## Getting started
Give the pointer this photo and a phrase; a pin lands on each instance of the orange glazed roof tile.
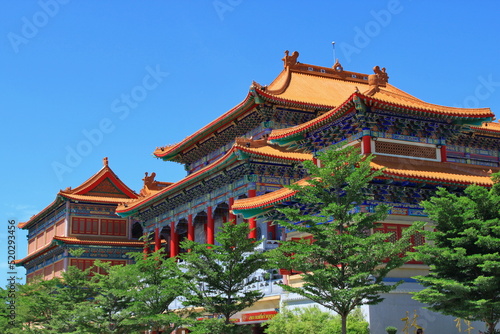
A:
(419, 171)
(263, 149)
(97, 199)
(436, 172)
(103, 187)
(382, 98)
(219, 122)
(266, 200)
(99, 242)
(413, 103)
(35, 254)
(80, 241)
(488, 127)
(113, 187)
(321, 88)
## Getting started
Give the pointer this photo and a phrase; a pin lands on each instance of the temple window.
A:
(84, 225)
(116, 227)
(396, 231)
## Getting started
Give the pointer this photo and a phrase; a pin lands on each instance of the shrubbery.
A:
(313, 320)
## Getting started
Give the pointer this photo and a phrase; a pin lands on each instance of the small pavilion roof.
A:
(103, 187)
(419, 171)
(242, 149)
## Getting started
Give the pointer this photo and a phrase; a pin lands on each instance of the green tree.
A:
(344, 266)
(218, 275)
(463, 254)
(35, 306)
(74, 289)
(106, 311)
(311, 320)
(156, 283)
(48, 306)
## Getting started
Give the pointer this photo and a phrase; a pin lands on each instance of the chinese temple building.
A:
(237, 167)
(239, 164)
(81, 218)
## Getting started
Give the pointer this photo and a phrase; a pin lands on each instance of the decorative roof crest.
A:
(380, 78)
(337, 67)
(149, 181)
(290, 61)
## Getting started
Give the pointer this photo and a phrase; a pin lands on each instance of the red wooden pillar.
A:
(443, 153)
(210, 226)
(145, 250)
(252, 223)
(157, 239)
(174, 241)
(190, 235)
(366, 142)
(232, 217)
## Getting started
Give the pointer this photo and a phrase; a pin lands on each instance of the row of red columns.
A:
(210, 229)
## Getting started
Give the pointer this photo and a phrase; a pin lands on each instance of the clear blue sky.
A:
(67, 68)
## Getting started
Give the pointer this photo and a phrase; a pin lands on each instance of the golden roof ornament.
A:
(337, 67)
(289, 61)
(376, 80)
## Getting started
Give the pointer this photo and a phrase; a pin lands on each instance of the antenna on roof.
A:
(334, 54)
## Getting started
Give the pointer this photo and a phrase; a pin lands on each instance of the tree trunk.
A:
(344, 323)
(491, 327)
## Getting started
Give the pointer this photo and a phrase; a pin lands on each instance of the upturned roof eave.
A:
(55, 203)
(282, 139)
(257, 96)
(126, 211)
(171, 153)
(97, 178)
(230, 157)
(259, 208)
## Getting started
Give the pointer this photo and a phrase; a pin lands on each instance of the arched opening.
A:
(137, 231)
(221, 214)
(181, 228)
(200, 227)
(165, 240)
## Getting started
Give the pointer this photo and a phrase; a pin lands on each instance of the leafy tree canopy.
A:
(463, 254)
(218, 275)
(345, 264)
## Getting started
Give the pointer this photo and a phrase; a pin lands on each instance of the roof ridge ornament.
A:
(250, 142)
(380, 78)
(337, 66)
(105, 161)
(290, 61)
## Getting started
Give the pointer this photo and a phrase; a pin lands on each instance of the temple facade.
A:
(239, 164)
(238, 167)
(82, 218)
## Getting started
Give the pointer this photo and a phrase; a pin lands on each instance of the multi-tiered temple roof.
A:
(103, 188)
(327, 95)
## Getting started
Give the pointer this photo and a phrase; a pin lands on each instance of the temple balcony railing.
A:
(268, 245)
(265, 281)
